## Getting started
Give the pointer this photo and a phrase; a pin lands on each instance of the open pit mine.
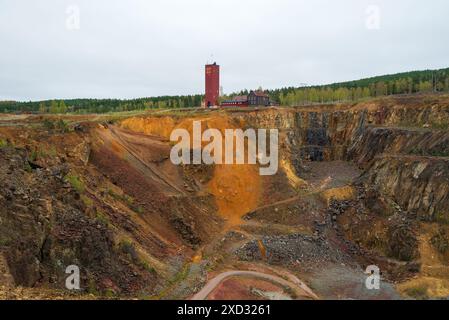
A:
(358, 185)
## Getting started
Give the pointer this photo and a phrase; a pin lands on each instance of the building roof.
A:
(240, 98)
(259, 93)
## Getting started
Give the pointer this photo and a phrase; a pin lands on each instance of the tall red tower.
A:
(212, 85)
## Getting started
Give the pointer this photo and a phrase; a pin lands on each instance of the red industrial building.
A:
(238, 101)
(212, 98)
(212, 85)
(255, 98)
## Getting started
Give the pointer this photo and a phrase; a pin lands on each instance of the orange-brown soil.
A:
(236, 188)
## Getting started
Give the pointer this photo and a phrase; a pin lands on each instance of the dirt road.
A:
(300, 288)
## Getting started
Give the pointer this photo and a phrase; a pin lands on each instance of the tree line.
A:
(401, 83)
(84, 106)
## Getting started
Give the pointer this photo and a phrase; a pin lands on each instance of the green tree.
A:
(425, 86)
(62, 107)
(366, 93)
(380, 89)
(54, 107)
(42, 108)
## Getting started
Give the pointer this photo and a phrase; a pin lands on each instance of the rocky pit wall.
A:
(402, 143)
(236, 189)
(401, 207)
(50, 218)
(403, 148)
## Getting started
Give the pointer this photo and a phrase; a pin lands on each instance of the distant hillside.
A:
(100, 105)
(400, 83)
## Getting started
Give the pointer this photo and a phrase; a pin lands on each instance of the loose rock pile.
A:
(292, 250)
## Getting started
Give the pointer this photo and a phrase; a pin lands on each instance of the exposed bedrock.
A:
(401, 143)
(382, 140)
(419, 185)
(362, 131)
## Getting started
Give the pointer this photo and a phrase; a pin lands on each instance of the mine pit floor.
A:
(336, 276)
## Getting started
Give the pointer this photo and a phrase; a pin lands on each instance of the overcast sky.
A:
(140, 48)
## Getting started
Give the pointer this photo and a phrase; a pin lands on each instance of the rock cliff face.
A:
(374, 141)
(401, 142)
(44, 229)
(334, 131)
(420, 185)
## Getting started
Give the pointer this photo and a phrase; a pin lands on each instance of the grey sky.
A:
(140, 48)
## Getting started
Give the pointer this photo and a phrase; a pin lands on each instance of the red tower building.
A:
(212, 85)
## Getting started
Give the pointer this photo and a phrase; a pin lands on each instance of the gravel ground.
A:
(340, 282)
(296, 250)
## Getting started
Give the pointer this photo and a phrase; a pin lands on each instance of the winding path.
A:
(299, 287)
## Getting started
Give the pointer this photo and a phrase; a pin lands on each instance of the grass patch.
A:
(137, 209)
(123, 197)
(110, 294)
(76, 183)
(92, 288)
(60, 125)
(3, 143)
(440, 126)
(442, 218)
(52, 152)
(128, 200)
(418, 293)
(27, 167)
(4, 242)
(181, 275)
(128, 248)
(440, 241)
(149, 268)
(429, 153)
(42, 153)
(102, 218)
(87, 201)
(33, 156)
